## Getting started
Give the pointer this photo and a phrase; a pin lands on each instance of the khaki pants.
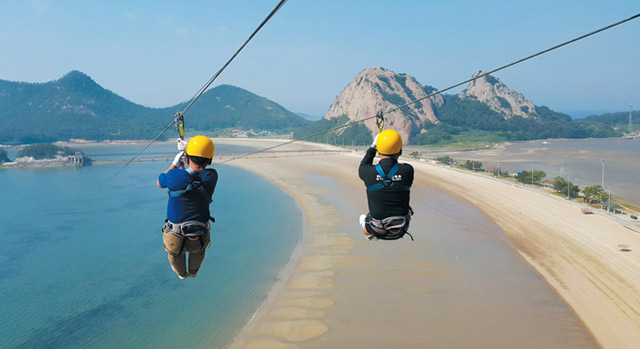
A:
(173, 244)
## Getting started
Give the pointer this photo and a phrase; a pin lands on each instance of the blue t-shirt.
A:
(192, 205)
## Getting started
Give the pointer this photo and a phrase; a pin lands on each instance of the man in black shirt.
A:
(388, 188)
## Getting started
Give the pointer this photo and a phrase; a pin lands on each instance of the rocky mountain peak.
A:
(500, 98)
(376, 89)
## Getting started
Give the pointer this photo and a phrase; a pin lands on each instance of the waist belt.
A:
(390, 223)
(390, 228)
(188, 228)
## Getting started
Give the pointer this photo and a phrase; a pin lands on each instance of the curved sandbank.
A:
(341, 290)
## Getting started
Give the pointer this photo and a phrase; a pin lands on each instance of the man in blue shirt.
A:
(187, 224)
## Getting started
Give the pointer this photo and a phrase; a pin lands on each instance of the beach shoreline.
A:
(577, 268)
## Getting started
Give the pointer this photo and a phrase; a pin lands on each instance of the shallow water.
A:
(462, 284)
(578, 160)
(82, 263)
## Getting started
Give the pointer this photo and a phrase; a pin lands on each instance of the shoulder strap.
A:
(195, 184)
(387, 179)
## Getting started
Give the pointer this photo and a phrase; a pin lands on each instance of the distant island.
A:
(45, 155)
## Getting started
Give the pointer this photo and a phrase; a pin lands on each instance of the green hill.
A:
(619, 120)
(76, 107)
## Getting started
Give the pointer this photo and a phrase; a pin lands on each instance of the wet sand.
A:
(557, 280)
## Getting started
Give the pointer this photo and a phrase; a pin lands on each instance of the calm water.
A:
(578, 160)
(82, 263)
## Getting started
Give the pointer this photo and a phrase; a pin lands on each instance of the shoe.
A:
(362, 219)
(180, 276)
(192, 275)
(370, 237)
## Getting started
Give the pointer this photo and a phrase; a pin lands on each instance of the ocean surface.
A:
(82, 263)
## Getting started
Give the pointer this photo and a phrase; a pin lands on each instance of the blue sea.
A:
(82, 263)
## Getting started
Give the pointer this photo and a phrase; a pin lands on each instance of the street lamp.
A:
(630, 126)
(602, 185)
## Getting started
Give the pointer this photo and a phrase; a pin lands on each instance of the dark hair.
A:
(200, 161)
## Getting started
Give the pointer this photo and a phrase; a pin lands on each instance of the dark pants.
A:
(177, 246)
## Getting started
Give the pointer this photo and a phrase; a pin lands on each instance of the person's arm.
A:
(177, 162)
(367, 161)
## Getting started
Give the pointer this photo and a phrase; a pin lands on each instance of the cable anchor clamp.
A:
(179, 121)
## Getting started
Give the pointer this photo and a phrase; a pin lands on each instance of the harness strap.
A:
(188, 228)
(387, 179)
(195, 184)
(390, 228)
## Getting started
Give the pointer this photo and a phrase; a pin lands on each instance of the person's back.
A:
(388, 189)
(192, 205)
(386, 201)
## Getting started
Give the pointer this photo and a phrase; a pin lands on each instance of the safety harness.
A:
(387, 179)
(390, 228)
(195, 184)
(193, 230)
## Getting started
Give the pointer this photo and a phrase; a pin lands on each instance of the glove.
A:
(375, 141)
(179, 160)
(182, 145)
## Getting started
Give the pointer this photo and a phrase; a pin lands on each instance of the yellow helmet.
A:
(389, 142)
(201, 146)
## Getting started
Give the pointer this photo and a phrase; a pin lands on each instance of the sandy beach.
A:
(557, 278)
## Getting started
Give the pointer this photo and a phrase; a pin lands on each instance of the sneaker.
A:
(362, 219)
(180, 276)
(370, 237)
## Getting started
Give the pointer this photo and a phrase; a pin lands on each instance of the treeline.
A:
(458, 117)
(591, 194)
(46, 151)
(618, 120)
(3, 156)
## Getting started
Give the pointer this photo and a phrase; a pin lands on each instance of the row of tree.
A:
(594, 193)
(3, 156)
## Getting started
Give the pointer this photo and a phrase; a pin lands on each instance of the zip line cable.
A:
(444, 90)
(204, 88)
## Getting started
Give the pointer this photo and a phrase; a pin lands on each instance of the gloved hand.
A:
(179, 160)
(182, 145)
(375, 141)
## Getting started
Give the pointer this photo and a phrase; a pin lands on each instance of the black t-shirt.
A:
(386, 202)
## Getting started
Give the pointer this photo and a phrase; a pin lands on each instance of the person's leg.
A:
(177, 258)
(362, 222)
(197, 249)
(195, 260)
(179, 264)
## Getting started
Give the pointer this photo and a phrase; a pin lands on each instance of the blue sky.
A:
(159, 53)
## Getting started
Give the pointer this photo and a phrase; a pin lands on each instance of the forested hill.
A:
(619, 120)
(76, 107)
(487, 112)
